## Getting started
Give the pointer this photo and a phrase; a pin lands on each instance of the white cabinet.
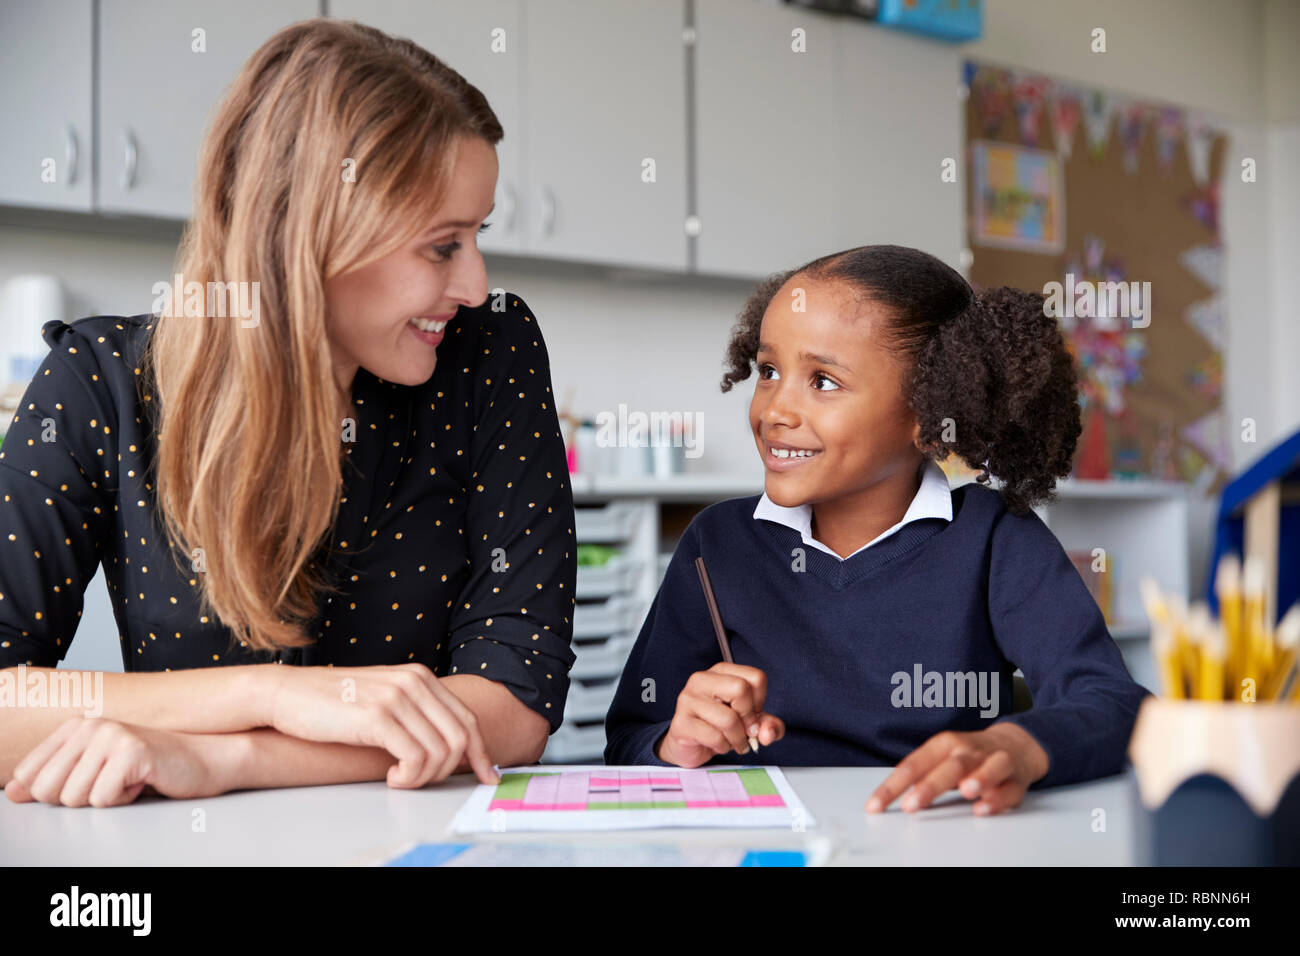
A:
(802, 154)
(592, 96)
(156, 90)
(605, 97)
(765, 136)
(891, 139)
(811, 133)
(483, 42)
(46, 55)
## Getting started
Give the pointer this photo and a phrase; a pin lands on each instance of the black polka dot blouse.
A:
(453, 546)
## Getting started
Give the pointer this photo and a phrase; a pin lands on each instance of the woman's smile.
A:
(429, 331)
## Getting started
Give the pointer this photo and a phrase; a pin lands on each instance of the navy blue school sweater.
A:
(869, 657)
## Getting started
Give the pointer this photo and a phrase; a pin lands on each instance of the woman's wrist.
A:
(265, 758)
(228, 759)
(259, 688)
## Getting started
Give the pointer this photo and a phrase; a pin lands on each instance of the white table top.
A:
(369, 823)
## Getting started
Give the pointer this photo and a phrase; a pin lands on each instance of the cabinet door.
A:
(483, 42)
(156, 92)
(891, 139)
(765, 135)
(604, 98)
(46, 54)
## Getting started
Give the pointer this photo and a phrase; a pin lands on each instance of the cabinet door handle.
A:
(507, 206)
(70, 151)
(132, 157)
(546, 221)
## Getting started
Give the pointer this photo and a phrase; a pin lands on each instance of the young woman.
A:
(875, 617)
(363, 476)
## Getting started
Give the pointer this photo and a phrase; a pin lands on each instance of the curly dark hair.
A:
(993, 362)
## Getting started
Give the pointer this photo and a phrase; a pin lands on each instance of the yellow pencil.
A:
(1166, 655)
(1185, 648)
(1164, 648)
(1152, 601)
(1255, 638)
(1227, 588)
(1212, 650)
(1158, 615)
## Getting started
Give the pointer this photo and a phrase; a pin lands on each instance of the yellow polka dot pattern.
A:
(453, 544)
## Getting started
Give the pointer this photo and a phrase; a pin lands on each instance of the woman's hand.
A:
(995, 765)
(92, 761)
(718, 710)
(403, 709)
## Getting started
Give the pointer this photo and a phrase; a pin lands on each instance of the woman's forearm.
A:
(265, 758)
(515, 735)
(236, 701)
(201, 700)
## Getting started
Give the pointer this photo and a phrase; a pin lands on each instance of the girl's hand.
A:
(92, 761)
(718, 710)
(403, 709)
(995, 765)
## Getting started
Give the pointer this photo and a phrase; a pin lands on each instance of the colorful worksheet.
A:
(632, 798)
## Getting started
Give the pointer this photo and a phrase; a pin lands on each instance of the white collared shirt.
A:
(932, 500)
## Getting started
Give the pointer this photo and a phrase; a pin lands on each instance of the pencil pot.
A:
(1218, 783)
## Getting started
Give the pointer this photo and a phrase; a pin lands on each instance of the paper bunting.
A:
(1209, 436)
(1205, 378)
(992, 91)
(1002, 94)
(1132, 117)
(1206, 263)
(1097, 108)
(1065, 110)
(1030, 96)
(1207, 317)
(1168, 128)
(1199, 138)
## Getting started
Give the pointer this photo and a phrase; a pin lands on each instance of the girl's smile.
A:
(782, 457)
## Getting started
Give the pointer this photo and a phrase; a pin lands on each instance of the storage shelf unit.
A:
(1142, 525)
(612, 603)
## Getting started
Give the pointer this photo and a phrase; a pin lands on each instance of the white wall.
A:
(1202, 53)
(1281, 65)
(1282, 109)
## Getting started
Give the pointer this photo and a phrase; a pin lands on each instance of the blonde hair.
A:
(250, 452)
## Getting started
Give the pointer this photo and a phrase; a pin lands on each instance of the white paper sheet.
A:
(578, 798)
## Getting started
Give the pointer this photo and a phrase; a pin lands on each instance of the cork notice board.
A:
(1086, 187)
